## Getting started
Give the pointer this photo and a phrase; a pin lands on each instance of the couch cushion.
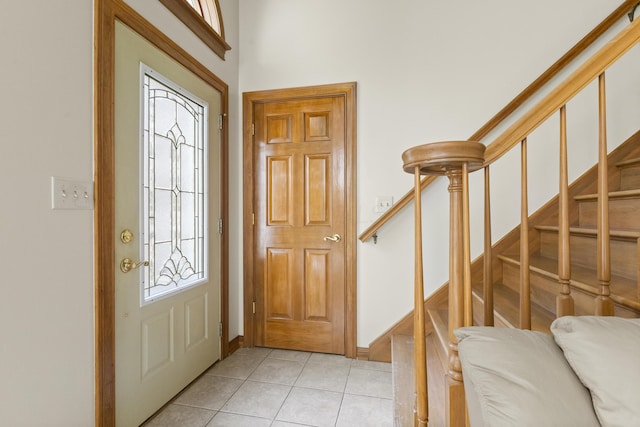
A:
(520, 378)
(605, 353)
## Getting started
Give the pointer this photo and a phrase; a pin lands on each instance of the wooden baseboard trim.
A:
(362, 353)
(235, 344)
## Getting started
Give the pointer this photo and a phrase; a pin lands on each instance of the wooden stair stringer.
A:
(404, 381)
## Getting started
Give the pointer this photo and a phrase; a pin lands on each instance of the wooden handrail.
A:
(518, 101)
(562, 94)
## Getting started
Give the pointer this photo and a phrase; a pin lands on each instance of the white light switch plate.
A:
(383, 204)
(71, 194)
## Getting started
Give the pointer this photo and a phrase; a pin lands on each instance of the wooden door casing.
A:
(310, 309)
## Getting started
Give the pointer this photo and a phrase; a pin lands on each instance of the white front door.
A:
(167, 176)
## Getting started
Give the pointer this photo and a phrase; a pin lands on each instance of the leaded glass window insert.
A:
(174, 205)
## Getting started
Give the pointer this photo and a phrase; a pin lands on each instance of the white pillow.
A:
(516, 377)
(605, 353)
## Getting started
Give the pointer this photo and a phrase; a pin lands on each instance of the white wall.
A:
(426, 71)
(46, 309)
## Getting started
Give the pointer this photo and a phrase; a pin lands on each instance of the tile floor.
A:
(280, 388)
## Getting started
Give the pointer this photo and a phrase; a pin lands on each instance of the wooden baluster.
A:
(604, 304)
(564, 300)
(455, 390)
(420, 354)
(525, 297)
(466, 246)
(487, 289)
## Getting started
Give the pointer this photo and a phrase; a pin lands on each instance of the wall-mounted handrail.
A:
(518, 101)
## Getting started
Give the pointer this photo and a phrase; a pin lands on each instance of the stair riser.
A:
(630, 178)
(478, 314)
(624, 253)
(544, 290)
(623, 213)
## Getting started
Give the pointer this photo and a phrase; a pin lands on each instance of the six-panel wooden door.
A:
(299, 224)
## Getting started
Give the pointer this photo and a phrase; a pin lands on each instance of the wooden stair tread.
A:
(624, 194)
(588, 231)
(506, 304)
(629, 163)
(623, 290)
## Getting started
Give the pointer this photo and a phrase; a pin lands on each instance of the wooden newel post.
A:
(453, 159)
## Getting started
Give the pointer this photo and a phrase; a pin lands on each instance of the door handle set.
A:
(127, 264)
(335, 238)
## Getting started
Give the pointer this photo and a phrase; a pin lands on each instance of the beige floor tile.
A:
(277, 371)
(183, 416)
(324, 376)
(296, 356)
(367, 382)
(236, 366)
(209, 392)
(376, 366)
(330, 359)
(233, 420)
(365, 411)
(282, 388)
(257, 399)
(253, 351)
(311, 407)
(286, 424)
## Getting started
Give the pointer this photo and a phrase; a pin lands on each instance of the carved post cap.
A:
(440, 158)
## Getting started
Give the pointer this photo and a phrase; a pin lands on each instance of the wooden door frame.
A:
(347, 91)
(106, 13)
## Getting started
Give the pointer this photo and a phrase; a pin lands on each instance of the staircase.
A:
(624, 219)
(578, 254)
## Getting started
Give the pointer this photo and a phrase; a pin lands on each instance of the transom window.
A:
(204, 18)
(209, 11)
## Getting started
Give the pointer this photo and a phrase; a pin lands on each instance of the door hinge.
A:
(220, 329)
(253, 218)
(254, 307)
(253, 129)
(219, 121)
(219, 225)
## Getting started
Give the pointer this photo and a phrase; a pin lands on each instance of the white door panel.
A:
(163, 343)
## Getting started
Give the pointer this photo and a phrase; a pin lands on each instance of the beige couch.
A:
(586, 373)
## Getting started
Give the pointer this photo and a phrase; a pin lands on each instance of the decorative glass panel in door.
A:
(174, 206)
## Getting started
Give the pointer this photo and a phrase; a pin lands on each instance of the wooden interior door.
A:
(299, 225)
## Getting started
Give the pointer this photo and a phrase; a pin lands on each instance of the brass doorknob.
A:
(335, 238)
(127, 264)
